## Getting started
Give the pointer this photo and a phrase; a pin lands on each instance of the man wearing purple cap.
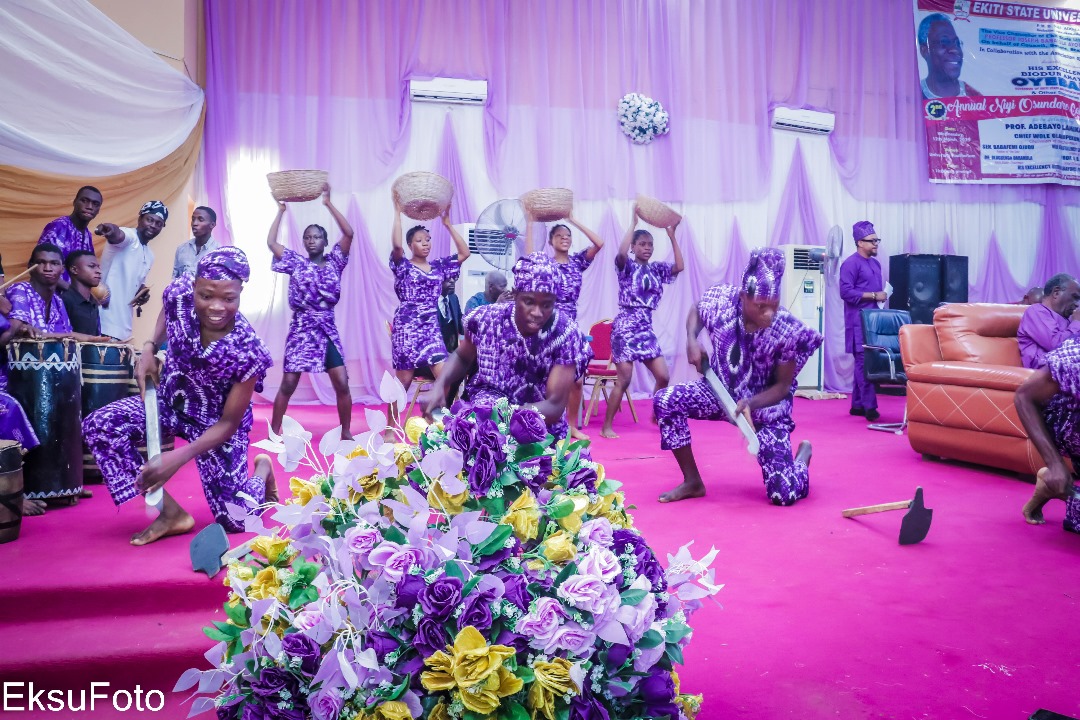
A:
(525, 351)
(861, 287)
(758, 349)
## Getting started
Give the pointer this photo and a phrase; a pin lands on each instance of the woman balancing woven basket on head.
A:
(641, 285)
(569, 268)
(313, 343)
(416, 339)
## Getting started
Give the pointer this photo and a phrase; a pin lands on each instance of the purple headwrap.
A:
(763, 273)
(226, 263)
(155, 207)
(861, 229)
(535, 273)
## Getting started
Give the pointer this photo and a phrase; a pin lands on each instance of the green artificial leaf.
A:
(417, 476)
(394, 535)
(675, 632)
(526, 674)
(674, 653)
(508, 477)
(608, 486)
(622, 684)
(560, 509)
(567, 571)
(216, 635)
(562, 713)
(494, 542)
(577, 446)
(513, 711)
(454, 570)
(240, 614)
(306, 571)
(495, 506)
(470, 715)
(470, 585)
(399, 689)
(650, 640)
(526, 452)
(633, 597)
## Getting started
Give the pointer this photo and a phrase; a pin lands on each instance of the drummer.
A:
(758, 349)
(214, 362)
(36, 308)
(14, 425)
(82, 307)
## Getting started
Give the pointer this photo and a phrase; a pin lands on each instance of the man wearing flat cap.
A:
(861, 287)
(125, 263)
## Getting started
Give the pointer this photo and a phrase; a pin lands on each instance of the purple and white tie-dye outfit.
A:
(746, 363)
(14, 425)
(314, 291)
(1063, 415)
(63, 233)
(30, 308)
(416, 340)
(195, 383)
(516, 366)
(568, 278)
(641, 285)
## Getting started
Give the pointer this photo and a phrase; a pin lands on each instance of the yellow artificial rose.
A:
(393, 710)
(552, 682)
(357, 452)
(524, 516)
(270, 547)
(403, 456)
(450, 504)
(439, 712)
(606, 506)
(572, 522)
(372, 487)
(441, 674)
(472, 661)
(486, 697)
(265, 585)
(240, 572)
(535, 565)
(414, 428)
(303, 491)
(559, 548)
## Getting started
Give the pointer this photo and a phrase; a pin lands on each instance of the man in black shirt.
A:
(82, 307)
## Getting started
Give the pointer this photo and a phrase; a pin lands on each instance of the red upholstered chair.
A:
(601, 371)
(423, 379)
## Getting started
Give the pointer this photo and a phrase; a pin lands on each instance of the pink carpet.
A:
(821, 617)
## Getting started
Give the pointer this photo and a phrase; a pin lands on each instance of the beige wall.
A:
(171, 28)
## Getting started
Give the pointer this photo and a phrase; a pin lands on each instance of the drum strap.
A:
(13, 502)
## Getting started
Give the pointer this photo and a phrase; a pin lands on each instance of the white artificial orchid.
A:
(290, 446)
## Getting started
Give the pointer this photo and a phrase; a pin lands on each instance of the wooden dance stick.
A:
(17, 278)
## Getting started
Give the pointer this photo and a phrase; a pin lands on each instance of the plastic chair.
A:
(423, 379)
(601, 371)
(882, 364)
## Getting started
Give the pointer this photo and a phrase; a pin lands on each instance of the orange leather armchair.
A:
(963, 372)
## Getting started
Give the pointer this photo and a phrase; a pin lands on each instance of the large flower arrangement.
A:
(642, 118)
(474, 571)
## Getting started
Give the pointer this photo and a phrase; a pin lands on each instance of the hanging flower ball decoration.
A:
(642, 118)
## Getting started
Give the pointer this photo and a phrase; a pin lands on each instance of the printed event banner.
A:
(1000, 84)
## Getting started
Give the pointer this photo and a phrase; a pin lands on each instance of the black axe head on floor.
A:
(210, 550)
(916, 522)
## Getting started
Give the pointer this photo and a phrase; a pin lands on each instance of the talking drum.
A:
(44, 378)
(167, 442)
(107, 372)
(11, 490)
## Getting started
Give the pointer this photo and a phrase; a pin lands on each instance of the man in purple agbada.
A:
(214, 362)
(1049, 322)
(758, 349)
(72, 232)
(525, 351)
(1048, 404)
(861, 287)
(313, 343)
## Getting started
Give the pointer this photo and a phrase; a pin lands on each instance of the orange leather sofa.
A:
(962, 373)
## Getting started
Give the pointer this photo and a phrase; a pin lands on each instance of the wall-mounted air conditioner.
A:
(449, 90)
(803, 121)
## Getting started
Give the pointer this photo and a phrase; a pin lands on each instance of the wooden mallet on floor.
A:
(916, 522)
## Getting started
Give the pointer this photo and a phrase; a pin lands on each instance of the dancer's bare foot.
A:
(1033, 508)
(608, 432)
(32, 507)
(389, 436)
(171, 522)
(346, 436)
(264, 468)
(684, 491)
(577, 434)
(804, 452)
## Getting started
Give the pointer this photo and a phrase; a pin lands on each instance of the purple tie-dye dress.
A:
(746, 364)
(314, 291)
(416, 339)
(1063, 415)
(567, 291)
(641, 285)
(195, 384)
(516, 366)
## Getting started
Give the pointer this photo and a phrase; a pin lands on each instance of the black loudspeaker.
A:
(916, 281)
(954, 279)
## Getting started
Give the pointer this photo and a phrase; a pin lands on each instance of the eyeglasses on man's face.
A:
(875, 241)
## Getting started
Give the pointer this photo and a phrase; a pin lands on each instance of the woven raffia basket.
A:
(423, 195)
(655, 212)
(297, 185)
(548, 204)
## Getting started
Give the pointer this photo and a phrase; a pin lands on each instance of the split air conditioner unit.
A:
(449, 90)
(803, 121)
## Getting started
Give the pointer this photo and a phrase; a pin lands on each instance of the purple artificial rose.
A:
(441, 598)
(489, 561)
(597, 531)
(541, 624)
(516, 590)
(537, 480)
(252, 711)
(583, 477)
(483, 471)
(303, 647)
(527, 426)
(326, 704)
(408, 591)
(587, 706)
(636, 619)
(477, 611)
(271, 681)
(616, 657)
(645, 562)
(599, 562)
(574, 639)
(430, 637)
(488, 436)
(294, 713)
(585, 592)
(520, 643)
(459, 431)
(382, 643)
(657, 691)
(361, 540)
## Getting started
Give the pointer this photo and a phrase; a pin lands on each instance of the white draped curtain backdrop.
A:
(325, 84)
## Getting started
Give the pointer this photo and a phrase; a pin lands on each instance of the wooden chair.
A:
(423, 379)
(601, 371)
